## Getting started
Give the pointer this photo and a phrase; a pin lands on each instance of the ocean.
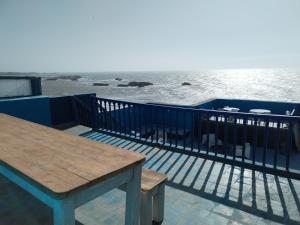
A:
(261, 84)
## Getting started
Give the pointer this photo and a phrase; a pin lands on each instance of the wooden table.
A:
(66, 171)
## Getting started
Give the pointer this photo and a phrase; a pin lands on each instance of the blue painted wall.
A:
(64, 111)
(35, 109)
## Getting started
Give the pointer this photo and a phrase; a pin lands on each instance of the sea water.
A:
(261, 84)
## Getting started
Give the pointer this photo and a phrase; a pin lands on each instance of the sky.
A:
(141, 35)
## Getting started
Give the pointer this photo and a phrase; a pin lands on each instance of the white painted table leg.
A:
(159, 204)
(133, 197)
(64, 212)
(146, 208)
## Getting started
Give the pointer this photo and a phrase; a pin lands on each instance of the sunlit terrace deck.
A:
(199, 191)
(207, 184)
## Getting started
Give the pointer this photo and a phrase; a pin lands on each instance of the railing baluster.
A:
(134, 120)
(140, 121)
(207, 133)
(225, 135)
(245, 123)
(266, 138)
(145, 121)
(164, 125)
(192, 128)
(255, 140)
(176, 127)
(115, 116)
(157, 114)
(171, 126)
(105, 116)
(277, 149)
(94, 111)
(100, 115)
(216, 135)
(184, 129)
(124, 117)
(199, 127)
(151, 122)
(120, 126)
(289, 145)
(110, 116)
(129, 119)
(234, 136)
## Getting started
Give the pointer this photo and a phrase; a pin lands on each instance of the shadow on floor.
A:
(18, 207)
(270, 197)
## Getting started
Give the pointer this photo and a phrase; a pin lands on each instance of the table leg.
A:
(159, 204)
(64, 212)
(146, 208)
(133, 197)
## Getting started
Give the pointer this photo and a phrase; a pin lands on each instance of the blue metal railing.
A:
(261, 142)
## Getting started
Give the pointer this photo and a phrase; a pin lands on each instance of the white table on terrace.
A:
(231, 109)
(260, 111)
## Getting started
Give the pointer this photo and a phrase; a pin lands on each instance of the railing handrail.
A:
(212, 112)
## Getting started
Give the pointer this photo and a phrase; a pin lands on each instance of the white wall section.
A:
(17, 87)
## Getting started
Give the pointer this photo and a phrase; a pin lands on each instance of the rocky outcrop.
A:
(65, 77)
(135, 84)
(118, 79)
(186, 83)
(100, 84)
(122, 85)
(139, 84)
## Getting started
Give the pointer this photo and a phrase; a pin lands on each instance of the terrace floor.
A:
(199, 191)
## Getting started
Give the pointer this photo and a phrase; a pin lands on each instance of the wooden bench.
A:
(152, 197)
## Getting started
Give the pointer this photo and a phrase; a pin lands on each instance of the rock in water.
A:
(186, 83)
(122, 85)
(118, 79)
(139, 84)
(100, 84)
(135, 84)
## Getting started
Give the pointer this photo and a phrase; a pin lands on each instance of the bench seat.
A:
(151, 179)
(152, 197)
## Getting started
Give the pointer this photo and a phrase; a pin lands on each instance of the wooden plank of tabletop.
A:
(58, 161)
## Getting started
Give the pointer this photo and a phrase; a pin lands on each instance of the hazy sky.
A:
(86, 35)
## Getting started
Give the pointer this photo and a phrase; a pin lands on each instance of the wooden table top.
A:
(59, 162)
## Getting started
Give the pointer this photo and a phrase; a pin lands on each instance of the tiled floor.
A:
(198, 192)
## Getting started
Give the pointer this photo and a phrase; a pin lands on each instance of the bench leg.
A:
(159, 204)
(146, 208)
(133, 197)
(64, 212)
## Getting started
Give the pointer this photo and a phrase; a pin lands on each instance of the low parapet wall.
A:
(34, 109)
(59, 112)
